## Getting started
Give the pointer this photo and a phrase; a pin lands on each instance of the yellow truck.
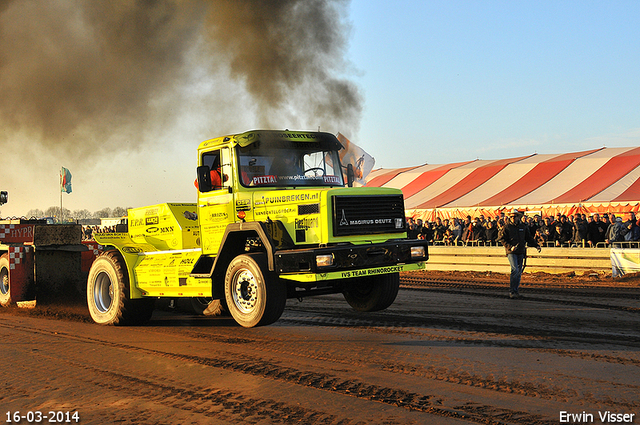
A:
(276, 217)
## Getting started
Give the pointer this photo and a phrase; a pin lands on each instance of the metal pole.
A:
(61, 195)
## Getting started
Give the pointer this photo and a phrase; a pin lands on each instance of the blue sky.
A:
(447, 81)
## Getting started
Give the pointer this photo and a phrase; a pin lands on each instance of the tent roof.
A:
(603, 175)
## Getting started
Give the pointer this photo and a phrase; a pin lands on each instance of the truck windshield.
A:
(289, 164)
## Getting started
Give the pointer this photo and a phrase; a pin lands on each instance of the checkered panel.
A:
(16, 255)
(95, 247)
(5, 230)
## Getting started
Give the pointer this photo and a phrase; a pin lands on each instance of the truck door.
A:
(216, 206)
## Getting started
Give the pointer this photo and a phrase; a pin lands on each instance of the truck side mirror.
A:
(204, 179)
(350, 175)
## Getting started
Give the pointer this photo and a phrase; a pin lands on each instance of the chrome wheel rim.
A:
(103, 292)
(4, 286)
(245, 291)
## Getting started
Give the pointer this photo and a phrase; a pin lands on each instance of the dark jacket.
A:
(549, 231)
(581, 230)
(515, 237)
(438, 232)
(491, 234)
(597, 231)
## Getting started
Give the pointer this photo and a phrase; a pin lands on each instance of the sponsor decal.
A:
(292, 198)
(298, 177)
(331, 179)
(370, 222)
(131, 249)
(219, 216)
(258, 180)
(308, 136)
(243, 205)
(135, 222)
(190, 215)
(306, 223)
(369, 272)
(154, 230)
(276, 211)
(11, 232)
(152, 221)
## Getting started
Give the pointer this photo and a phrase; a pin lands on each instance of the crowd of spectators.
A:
(561, 230)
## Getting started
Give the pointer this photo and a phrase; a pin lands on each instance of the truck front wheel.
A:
(5, 294)
(108, 293)
(372, 293)
(254, 296)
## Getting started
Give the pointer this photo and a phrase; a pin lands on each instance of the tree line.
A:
(77, 214)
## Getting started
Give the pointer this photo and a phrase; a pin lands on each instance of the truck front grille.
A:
(361, 215)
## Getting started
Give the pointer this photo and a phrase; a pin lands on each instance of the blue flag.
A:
(65, 180)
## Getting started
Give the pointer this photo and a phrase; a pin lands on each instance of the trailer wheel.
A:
(5, 281)
(255, 296)
(108, 293)
(373, 293)
(205, 306)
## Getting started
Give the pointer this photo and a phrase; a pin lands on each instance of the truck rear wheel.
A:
(373, 293)
(108, 295)
(254, 296)
(5, 281)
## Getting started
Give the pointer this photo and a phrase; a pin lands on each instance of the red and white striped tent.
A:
(599, 180)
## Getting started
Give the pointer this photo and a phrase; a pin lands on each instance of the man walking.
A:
(515, 236)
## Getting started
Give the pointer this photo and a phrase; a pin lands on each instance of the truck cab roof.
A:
(273, 137)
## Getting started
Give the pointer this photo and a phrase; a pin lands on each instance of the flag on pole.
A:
(353, 154)
(65, 180)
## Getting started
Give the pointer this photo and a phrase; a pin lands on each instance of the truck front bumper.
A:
(352, 260)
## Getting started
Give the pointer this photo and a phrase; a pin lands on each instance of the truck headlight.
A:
(324, 260)
(417, 252)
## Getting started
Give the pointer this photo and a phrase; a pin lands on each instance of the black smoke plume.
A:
(94, 76)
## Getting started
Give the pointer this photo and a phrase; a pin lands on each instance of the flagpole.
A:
(61, 195)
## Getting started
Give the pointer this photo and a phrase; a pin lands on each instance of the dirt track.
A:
(443, 354)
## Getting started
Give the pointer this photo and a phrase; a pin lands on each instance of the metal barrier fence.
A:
(492, 258)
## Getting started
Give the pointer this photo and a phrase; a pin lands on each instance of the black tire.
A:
(255, 297)
(5, 281)
(108, 296)
(373, 293)
(204, 306)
